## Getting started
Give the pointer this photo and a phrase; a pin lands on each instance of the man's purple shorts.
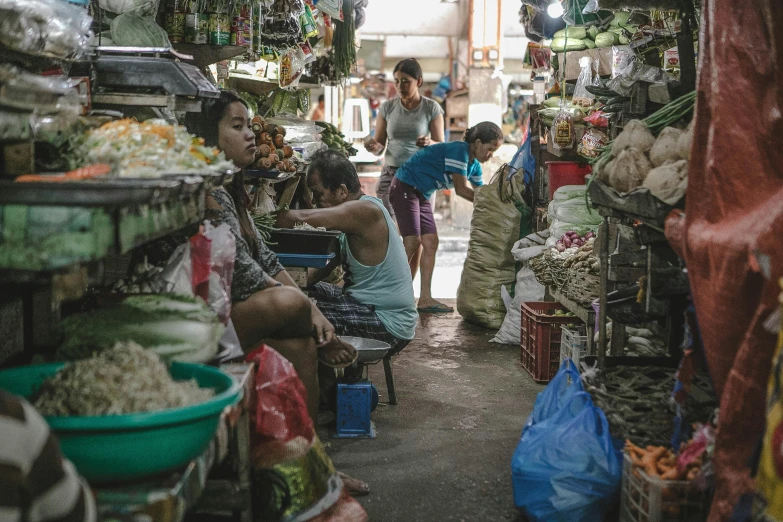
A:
(412, 209)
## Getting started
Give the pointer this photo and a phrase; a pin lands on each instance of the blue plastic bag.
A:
(566, 468)
(558, 392)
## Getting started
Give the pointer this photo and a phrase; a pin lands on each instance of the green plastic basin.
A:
(123, 448)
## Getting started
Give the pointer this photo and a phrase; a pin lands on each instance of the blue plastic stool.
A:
(354, 404)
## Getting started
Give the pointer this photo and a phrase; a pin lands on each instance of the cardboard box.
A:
(604, 56)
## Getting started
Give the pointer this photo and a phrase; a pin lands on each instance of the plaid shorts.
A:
(350, 317)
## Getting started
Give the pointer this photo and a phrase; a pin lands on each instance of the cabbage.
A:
(567, 192)
(578, 214)
(177, 328)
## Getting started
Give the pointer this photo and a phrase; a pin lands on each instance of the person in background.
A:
(444, 165)
(404, 125)
(319, 112)
(36, 482)
(266, 304)
(377, 299)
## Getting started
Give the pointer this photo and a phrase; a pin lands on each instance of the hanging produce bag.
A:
(566, 468)
(500, 219)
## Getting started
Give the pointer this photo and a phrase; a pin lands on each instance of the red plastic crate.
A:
(562, 173)
(541, 334)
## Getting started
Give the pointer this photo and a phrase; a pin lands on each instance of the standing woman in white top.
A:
(404, 125)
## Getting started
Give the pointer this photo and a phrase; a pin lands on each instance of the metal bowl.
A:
(369, 350)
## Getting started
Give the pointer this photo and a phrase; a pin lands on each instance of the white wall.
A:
(413, 17)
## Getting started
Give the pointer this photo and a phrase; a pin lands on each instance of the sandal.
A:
(354, 487)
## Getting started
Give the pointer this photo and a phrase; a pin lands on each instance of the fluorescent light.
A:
(555, 9)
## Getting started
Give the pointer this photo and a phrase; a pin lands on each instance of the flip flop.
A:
(354, 487)
(436, 309)
(339, 365)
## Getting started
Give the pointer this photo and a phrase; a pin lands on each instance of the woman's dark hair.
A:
(206, 124)
(334, 169)
(321, 98)
(410, 67)
(486, 131)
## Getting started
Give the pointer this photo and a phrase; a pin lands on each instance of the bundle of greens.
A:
(177, 328)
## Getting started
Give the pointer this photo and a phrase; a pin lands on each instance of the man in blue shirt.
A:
(440, 166)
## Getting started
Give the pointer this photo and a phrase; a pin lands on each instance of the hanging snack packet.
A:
(307, 20)
(563, 129)
(291, 67)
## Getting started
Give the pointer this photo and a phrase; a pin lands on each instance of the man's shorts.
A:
(350, 317)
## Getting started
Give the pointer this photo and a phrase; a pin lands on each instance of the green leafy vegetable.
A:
(175, 327)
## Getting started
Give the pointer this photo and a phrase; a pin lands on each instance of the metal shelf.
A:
(255, 85)
(207, 54)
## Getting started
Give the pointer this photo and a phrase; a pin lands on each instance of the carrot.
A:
(88, 172)
(649, 460)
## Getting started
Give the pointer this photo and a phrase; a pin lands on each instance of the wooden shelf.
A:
(207, 54)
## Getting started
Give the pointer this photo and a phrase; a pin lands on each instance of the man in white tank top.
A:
(377, 298)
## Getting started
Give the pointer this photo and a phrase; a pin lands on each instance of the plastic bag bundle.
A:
(566, 467)
(45, 27)
(297, 479)
(527, 289)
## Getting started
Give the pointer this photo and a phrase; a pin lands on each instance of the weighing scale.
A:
(354, 398)
(146, 77)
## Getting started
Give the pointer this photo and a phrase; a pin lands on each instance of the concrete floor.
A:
(443, 453)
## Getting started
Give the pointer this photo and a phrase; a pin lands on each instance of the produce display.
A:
(335, 139)
(175, 327)
(123, 379)
(273, 151)
(638, 342)
(637, 158)
(637, 401)
(147, 150)
(619, 32)
(660, 462)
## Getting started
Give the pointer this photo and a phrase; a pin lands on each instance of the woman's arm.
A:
(377, 144)
(461, 187)
(323, 330)
(249, 277)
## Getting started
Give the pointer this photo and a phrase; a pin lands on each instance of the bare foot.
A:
(354, 487)
(432, 306)
(337, 353)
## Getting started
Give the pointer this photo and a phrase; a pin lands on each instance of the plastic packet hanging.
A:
(333, 8)
(291, 67)
(622, 59)
(563, 129)
(592, 142)
(581, 96)
(307, 52)
(309, 26)
(596, 74)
